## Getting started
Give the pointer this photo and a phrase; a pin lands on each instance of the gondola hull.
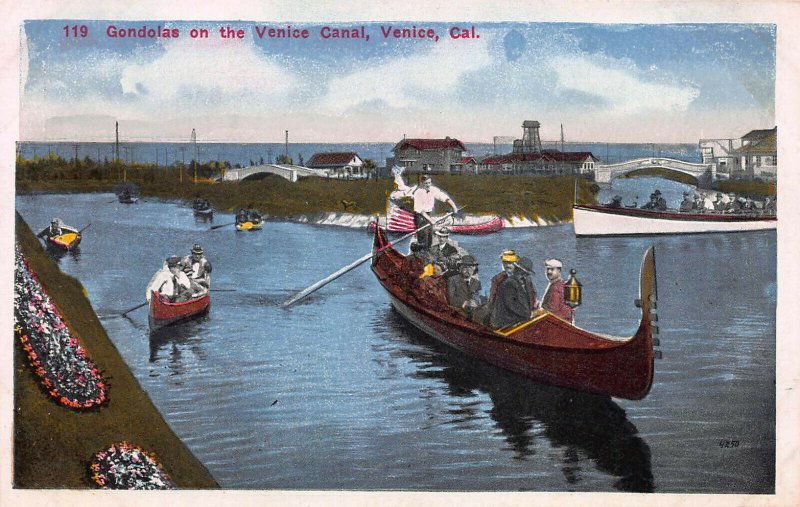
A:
(545, 348)
(590, 220)
(164, 313)
(472, 225)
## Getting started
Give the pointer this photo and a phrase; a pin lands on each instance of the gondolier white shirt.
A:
(424, 200)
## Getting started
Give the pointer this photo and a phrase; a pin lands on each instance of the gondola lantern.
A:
(572, 290)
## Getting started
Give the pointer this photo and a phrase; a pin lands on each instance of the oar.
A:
(87, 226)
(223, 225)
(222, 290)
(134, 308)
(325, 281)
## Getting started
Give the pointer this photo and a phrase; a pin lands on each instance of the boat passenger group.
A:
(182, 279)
(706, 202)
(512, 297)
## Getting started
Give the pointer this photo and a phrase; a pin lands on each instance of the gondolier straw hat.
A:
(197, 249)
(444, 231)
(553, 263)
(509, 256)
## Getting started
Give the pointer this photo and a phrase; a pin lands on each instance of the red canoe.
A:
(545, 348)
(403, 221)
(164, 313)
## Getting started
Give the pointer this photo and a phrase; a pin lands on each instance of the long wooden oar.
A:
(223, 225)
(325, 281)
(134, 308)
(89, 225)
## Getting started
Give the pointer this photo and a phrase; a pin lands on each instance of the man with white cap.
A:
(553, 298)
(170, 281)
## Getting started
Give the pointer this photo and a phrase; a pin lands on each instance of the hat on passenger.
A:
(467, 260)
(444, 232)
(553, 263)
(173, 261)
(425, 177)
(525, 264)
(657, 192)
(197, 249)
(509, 256)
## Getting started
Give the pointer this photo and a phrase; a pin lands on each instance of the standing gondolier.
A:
(425, 195)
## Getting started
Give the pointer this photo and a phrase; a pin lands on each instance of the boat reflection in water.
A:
(176, 339)
(578, 424)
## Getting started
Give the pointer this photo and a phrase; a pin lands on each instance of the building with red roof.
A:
(338, 164)
(429, 155)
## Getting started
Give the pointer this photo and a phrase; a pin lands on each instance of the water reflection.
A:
(582, 427)
(59, 253)
(174, 341)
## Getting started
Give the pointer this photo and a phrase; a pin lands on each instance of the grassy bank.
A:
(53, 444)
(547, 197)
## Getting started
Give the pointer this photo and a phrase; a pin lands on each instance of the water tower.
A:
(531, 143)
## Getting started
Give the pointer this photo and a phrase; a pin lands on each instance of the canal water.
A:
(338, 392)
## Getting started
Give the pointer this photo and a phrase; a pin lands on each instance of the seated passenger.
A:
(463, 288)
(170, 282)
(512, 301)
(553, 299)
(687, 203)
(616, 202)
(53, 230)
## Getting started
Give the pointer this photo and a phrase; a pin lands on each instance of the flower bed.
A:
(54, 352)
(127, 466)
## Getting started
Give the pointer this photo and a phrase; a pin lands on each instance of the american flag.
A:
(401, 220)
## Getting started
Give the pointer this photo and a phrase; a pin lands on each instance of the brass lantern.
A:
(572, 290)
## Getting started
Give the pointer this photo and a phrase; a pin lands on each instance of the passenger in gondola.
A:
(687, 203)
(431, 286)
(464, 287)
(255, 216)
(553, 299)
(170, 281)
(242, 216)
(770, 205)
(734, 205)
(198, 269)
(616, 202)
(445, 251)
(512, 302)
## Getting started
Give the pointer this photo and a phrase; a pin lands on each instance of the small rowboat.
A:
(544, 348)
(67, 241)
(165, 313)
(204, 212)
(249, 226)
(128, 199)
(593, 220)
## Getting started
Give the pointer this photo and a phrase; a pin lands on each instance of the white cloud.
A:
(231, 67)
(620, 87)
(409, 81)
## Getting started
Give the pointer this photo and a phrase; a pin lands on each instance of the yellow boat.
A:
(249, 226)
(67, 241)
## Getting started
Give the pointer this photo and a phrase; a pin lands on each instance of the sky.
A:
(604, 83)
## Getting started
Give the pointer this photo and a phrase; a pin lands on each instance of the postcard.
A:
(300, 255)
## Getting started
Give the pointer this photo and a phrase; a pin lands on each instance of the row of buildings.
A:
(450, 156)
(752, 156)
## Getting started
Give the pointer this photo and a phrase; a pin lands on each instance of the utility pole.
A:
(116, 145)
(287, 146)
(194, 159)
(76, 155)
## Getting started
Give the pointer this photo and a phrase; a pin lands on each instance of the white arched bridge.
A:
(290, 172)
(606, 173)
